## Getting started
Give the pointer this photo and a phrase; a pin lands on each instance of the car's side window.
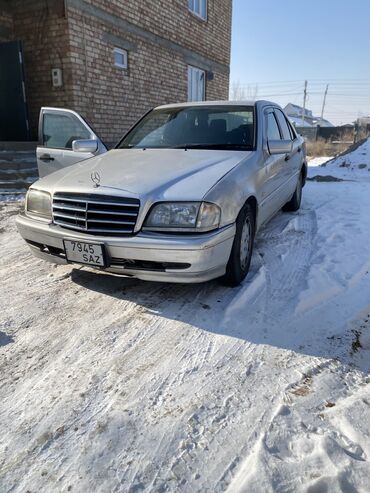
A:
(60, 130)
(272, 127)
(293, 133)
(286, 135)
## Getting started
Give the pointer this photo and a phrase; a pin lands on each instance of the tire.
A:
(241, 253)
(295, 202)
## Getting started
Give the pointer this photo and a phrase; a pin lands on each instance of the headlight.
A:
(38, 203)
(183, 216)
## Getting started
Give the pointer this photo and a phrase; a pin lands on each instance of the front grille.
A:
(95, 214)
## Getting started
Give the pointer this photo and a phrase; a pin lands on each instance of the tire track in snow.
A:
(286, 257)
(285, 439)
(222, 407)
(218, 383)
(196, 436)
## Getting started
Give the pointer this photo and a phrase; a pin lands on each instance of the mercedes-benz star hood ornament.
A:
(95, 178)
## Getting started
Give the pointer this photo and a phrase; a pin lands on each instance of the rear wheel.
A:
(295, 202)
(241, 252)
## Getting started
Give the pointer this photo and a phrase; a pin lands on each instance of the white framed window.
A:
(120, 58)
(196, 84)
(198, 7)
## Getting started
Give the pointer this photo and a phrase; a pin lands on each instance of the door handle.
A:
(46, 157)
(287, 157)
(299, 149)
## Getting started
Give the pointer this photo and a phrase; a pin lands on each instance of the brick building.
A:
(111, 60)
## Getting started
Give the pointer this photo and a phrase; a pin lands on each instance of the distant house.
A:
(297, 111)
(295, 114)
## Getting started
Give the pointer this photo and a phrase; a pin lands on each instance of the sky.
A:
(277, 45)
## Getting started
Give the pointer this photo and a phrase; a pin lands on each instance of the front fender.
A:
(235, 188)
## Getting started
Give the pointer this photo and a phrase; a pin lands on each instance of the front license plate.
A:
(84, 253)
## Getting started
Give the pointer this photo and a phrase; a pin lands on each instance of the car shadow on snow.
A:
(5, 339)
(263, 310)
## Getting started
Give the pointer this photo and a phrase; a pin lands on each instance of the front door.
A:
(58, 128)
(13, 105)
(272, 188)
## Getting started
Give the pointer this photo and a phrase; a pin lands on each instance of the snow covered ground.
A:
(116, 385)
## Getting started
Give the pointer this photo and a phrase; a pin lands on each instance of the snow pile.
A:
(352, 165)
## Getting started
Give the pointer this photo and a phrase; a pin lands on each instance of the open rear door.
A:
(59, 129)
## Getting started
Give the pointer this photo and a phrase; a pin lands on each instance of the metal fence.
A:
(329, 134)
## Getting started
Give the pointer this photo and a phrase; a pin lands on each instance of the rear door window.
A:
(272, 127)
(293, 133)
(283, 124)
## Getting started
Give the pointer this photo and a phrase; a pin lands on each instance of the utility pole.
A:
(323, 103)
(304, 101)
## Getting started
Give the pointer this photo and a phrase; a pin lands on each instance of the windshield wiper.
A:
(225, 146)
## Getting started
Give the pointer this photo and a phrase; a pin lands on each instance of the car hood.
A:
(168, 174)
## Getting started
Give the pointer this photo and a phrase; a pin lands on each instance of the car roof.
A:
(216, 103)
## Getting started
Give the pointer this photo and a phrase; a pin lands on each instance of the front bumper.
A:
(149, 256)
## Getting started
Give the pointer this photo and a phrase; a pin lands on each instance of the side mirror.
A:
(89, 145)
(280, 146)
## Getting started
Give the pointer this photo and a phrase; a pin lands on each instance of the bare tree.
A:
(240, 92)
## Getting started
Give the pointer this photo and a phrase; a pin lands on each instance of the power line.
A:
(312, 81)
(346, 99)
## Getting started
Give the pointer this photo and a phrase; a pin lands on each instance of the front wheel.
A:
(241, 252)
(295, 202)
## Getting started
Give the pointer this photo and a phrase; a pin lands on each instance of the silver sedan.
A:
(179, 199)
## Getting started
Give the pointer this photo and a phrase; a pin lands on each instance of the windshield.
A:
(195, 127)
